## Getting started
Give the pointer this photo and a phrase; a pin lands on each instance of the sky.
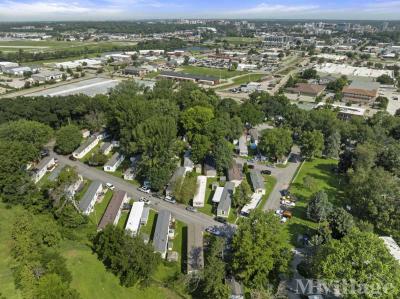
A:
(54, 10)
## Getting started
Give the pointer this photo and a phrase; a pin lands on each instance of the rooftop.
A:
(257, 180)
(188, 76)
(112, 209)
(306, 88)
(89, 195)
(160, 238)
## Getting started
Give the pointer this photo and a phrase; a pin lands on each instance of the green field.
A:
(7, 218)
(241, 40)
(244, 79)
(320, 172)
(205, 71)
(53, 45)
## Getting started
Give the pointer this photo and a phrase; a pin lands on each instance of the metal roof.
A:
(188, 76)
(84, 145)
(257, 180)
(89, 195)
(112, 209)
(160, 239)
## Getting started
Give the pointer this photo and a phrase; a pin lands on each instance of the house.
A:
(178, 176)
(160, 239)
(42, 167)
(47, 76)
(210, 167)
(71, 190)
(114, 162)
(85, 147)
(312, 90)
(235, 174)
(106, 148)
(89, 199)
(257, 181)
(207, 80)
(113, 211)
(254, 201)
(242, 148)
(361, 92)
(135, 215)
(130, 174)
(195, 255)
(199, 196)
(224, 205)
(217, 195)
(392, 246)
(236, 288)
(145, 216)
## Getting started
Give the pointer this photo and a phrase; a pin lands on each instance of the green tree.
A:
(340, 222)
(68, 138)
(360, 257)
(319, 207)
(259, 249)
(201, 146)
(332, 146)
(385, 79)
(222, 153)
(276, 143)
(195, 119)
(51, 286)
(389, 158)
(242, 195)
(311, 144)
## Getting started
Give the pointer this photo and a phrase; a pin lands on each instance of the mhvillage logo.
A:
(342, 287)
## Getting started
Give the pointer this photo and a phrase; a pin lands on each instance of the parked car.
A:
(44, 153)
(266, 171)
(170, 199)
(145, 200)
(221, 219)
(191, 209)
(110, 186)
(72, 158)
(213, 231)
(144, 189)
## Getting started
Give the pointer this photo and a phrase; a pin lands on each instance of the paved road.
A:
(283, 178)
(178, 211)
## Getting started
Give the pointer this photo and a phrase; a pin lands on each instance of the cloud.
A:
(387, 6)
(265, 8)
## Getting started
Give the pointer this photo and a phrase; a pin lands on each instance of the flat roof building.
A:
(208, 80)
(113, 211)
(160, 239)
(135, 215)
(199, 196)
(359, 91)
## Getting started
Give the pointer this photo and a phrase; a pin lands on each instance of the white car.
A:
(110, 186)
(278, 212)
(170, 199)
(144, 189)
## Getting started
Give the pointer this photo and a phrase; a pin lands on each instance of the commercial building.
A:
(17, 71)
(7, 64)
(85, 147)
(89, 199)
(352, 72)
(195, 255)
(47, 76)
(161, 233)
(113, 211)
(115, 161)
(199, 197)
(361, 92)
(135, 215)
(41, 168)
(207, 80)
(224, 206)
(257, 181)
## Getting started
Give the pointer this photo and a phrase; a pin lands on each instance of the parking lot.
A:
(394, 99)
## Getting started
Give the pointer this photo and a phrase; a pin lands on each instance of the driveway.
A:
(178, 211)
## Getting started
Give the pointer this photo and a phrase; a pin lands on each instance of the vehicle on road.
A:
(144, 189)
(213, 231)
(191, 209)
(266, 171)
(72, 158)
(44, 153)
(110, 186)
(170, 199)
(145, 200)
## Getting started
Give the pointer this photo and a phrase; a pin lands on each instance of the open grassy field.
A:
(53, 45)
(205, 71)
(7, 218)
(243, 79)
(241, 40)
(321, 176)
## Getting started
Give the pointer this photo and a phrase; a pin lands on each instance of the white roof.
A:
(135, 215)
(392, 246)
(217, 194)
(332, 56)
(346, 109)
(255, 199)
(199, 197)
(348, 70)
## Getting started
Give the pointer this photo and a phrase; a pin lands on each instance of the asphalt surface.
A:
(178, 211)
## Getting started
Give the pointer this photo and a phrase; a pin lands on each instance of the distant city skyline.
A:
(52, 10)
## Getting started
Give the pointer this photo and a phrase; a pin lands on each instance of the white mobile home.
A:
(257, 182)
(255, 200)
(243, 150)
(106, 148)
(41, 168)
(217, 194)
(85, 147)
(199, 197)
(88, 200)
(114, 162)
(135, 215)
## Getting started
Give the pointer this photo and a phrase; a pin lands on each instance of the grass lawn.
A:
(7, 218)
(241, 39)
(208, 206)
(244, 79)
(151, 224)
(320, 173)
(123, 219)
(100, 208)
(270, 182)
(92, 280)
(205, 71)
(152, 75)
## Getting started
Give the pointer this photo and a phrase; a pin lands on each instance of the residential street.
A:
(177, 210)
